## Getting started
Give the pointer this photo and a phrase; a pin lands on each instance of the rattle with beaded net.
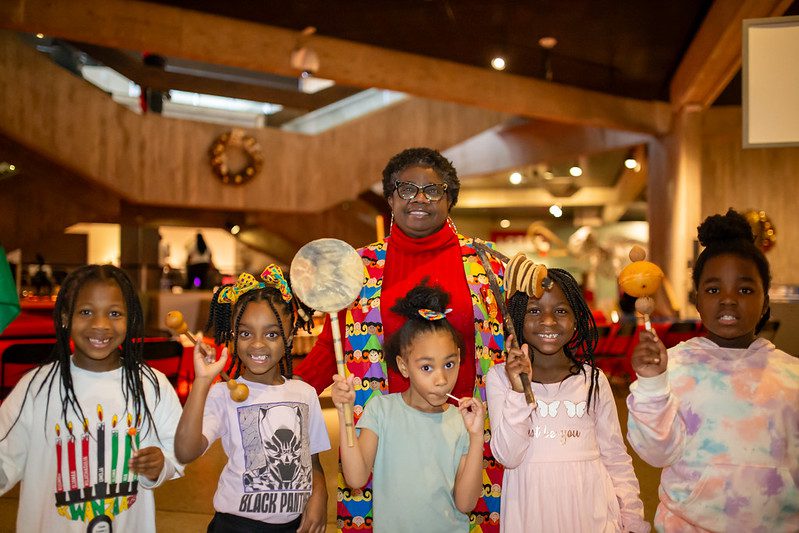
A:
(641, 279)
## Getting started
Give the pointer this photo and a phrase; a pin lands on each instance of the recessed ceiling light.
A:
(498, 63)
(40, 36)
(630, 163)
(235, 229)
(547, 42)
(555, 211)
(576, 171)
(504, 223)
(515, 178)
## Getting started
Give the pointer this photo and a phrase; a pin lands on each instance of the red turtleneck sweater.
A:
(408, 261)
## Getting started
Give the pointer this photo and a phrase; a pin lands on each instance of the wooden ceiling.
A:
(619, 70)
(620, 47)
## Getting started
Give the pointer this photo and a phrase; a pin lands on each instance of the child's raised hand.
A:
(205, 367)
(517, 362)
(342, 391)
(473, 413)
(649, 358)
(147, 462)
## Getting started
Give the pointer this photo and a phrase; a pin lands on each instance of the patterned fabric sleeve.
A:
(317, 368)
(654, 429)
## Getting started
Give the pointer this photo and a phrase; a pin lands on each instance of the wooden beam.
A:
(160, 79)
(714, 56)
(171, 31)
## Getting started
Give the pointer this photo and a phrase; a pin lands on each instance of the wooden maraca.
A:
(521, 274)
(641, 279)
(174, 321)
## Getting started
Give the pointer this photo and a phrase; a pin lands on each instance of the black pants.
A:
(230, 523)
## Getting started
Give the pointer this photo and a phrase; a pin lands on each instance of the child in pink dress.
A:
(566, 465)
(720, 414)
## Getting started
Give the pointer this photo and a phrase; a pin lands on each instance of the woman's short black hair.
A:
(420, 297)
(425, 158)
(731, 234)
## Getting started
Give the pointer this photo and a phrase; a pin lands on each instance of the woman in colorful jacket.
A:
(420, 186)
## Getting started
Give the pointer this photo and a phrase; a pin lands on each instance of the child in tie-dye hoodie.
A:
(720, 414)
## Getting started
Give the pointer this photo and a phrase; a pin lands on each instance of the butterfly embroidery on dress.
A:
(547, 409)
(573, 409)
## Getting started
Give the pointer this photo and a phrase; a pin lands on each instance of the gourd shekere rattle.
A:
(641, 279)
(175, 322)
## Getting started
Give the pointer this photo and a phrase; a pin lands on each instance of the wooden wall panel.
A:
(43, 198)
(155, 160)
(764, 179)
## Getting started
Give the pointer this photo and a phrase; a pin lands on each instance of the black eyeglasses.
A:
(408, 191)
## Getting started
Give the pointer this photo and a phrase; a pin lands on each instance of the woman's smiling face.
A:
(419, 216)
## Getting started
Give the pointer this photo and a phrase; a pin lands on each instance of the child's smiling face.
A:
(731, 300)
(431, 362)
(260, 344)
(549, 322)
(99, 325)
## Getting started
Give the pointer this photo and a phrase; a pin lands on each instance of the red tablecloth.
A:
(30, 324)
(13, 372)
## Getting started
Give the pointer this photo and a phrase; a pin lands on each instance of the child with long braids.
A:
(90, 432)
(424, 454)
(566, 465)
(273, 480)
(720, 414)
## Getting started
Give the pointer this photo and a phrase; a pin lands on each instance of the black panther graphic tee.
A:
(269, 440)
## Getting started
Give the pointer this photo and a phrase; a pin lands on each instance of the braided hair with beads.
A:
(135, 370)
(580, 348)
(224, 319)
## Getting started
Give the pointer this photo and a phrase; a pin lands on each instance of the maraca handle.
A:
(341, 372)
(191, 337)
(528, 390)
(525, 379)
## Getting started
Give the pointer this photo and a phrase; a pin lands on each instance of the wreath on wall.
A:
(218, 153)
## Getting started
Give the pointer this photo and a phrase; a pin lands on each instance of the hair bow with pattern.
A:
(245, 283)
(429, 314)
(273, 276)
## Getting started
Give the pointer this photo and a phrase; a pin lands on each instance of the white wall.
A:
(103, 242)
